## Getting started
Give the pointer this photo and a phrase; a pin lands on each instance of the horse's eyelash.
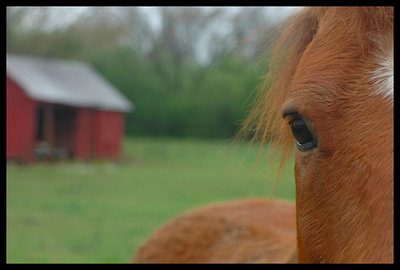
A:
(292, 111)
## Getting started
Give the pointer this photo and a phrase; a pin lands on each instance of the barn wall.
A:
(108, 129)
(20, 123)
(83, 139)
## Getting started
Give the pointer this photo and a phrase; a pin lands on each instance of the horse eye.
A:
(303, 136)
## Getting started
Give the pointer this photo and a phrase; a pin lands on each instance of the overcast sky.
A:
(62, 16)
(59, 17)
(279, 12)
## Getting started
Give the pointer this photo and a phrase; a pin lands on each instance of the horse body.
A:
(332, 93)
(252, 230)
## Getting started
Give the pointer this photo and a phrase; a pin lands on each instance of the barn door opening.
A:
(65, 125)
(44, 132)
(55, 133)
(40, 124)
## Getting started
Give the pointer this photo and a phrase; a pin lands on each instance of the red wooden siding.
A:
(83, 148)
(108, 128)
(20, 123)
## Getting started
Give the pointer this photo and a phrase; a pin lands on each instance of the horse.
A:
(245, 231)
(327, 97)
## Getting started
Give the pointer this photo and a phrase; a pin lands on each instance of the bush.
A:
(200, 102)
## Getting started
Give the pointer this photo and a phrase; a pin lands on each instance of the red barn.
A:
(58, 108)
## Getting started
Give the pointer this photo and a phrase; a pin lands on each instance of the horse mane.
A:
(264, 122)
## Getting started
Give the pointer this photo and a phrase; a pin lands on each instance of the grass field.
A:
(102, 211)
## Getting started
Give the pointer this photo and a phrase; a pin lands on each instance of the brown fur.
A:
(253, 230)
(322, 66)
(344, 189)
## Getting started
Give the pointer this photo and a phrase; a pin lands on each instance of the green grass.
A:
(102, 211)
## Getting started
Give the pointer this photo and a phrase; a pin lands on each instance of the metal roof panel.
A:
(66, 82)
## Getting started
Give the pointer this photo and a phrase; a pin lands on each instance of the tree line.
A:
(192, 75)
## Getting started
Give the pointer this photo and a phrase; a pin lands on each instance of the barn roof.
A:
(65, 82)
